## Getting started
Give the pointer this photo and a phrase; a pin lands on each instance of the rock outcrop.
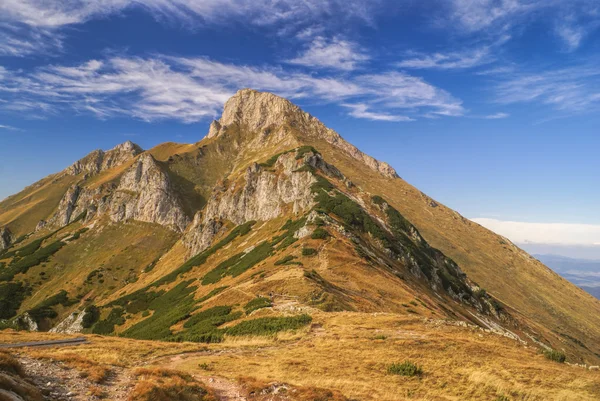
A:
(6, 238)
(265, 112)
(144, 193)
(99, 160)
(72, 324)
(262, 194)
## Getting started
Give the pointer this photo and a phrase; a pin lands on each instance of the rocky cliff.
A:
(267, 113)
(144, 193)
(99, 160)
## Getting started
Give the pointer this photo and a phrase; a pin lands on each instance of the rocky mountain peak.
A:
(100, 160)
(264, 112)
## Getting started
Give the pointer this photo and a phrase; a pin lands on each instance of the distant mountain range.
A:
(583, 272)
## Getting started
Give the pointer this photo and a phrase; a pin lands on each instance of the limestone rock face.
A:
(261, 195)
(67, 204)
(99, 160)
(6, 238)
(70, 325)
(144, 193)
(265, 112)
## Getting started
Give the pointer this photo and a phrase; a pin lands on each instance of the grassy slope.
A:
(119, 252)
(501, 268)
(22, 212)
(458, 363)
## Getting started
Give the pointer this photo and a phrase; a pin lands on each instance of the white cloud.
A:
(573, 20)
(9, 127)
(361, 110)
(570, 90)
(544, 233)
(44, 18)
(192, 89)
(496, 116)
(448, 61)
(335, 54)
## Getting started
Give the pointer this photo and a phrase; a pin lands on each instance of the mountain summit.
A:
(271, 203)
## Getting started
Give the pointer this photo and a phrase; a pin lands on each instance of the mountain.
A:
(182, 242)
(584, 273)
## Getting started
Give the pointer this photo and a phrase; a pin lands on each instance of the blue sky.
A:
(489, 106)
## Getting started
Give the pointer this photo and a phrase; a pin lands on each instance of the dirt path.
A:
(59, 382)
(224, 389)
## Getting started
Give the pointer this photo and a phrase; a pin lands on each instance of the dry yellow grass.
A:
(349, 352)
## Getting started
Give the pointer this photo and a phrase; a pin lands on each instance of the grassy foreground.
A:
(357, 355)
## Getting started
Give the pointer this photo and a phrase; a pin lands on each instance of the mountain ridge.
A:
(240, 209)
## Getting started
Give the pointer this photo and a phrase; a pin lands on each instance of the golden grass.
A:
(548, 302)
(348, 354)
(87, 368)
(159, 384)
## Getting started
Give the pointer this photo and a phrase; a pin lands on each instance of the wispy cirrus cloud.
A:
(573, 20)
(496, 116)
(569, 90)
(192, 89)
(361, 110)
(9, 128)
(449, 61)
(335, 53)
(32, 26)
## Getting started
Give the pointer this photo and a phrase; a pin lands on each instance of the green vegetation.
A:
(11, 297)
(78, 233)
(309, 251)
(90, 317)
(23, 264)
(265, 326)
(556, 356)
(257, 303)
(203, 326)
(239, 263)
(45, 309)
(107, 326)
(201, 258)
(169, 308)
(302, 150)
(212, 294)
(406, 368)
(320, 233)
(287, 238)
(287, 260)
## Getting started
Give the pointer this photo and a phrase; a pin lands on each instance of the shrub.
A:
(320, 233)
(22, 265)
(406, 368)
(257, 303)
(309, 251)
(169, 308)
(239, 263)
(201, 258)
(302, 150)
(11, 297)
(90, 317)
(107, 326)
(556, 356)
(269, 325)
(45, 308)
(287, 260)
